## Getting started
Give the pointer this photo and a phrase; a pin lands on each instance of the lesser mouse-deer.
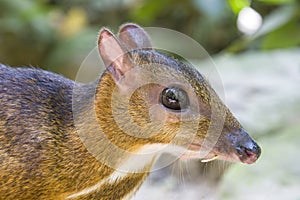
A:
(143, 100)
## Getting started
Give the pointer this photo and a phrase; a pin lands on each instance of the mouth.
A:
(193, 153)
(247, 153)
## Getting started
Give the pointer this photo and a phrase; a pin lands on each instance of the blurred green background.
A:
(58, 34)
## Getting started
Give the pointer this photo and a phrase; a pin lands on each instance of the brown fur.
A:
(41, 153)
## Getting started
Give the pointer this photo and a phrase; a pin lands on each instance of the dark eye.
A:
(174, 98)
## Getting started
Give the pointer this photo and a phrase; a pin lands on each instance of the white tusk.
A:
(210, 159)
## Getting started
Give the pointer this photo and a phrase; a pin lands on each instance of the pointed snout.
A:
(247, 149)
(249, 152)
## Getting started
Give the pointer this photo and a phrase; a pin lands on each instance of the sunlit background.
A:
(255, 44)
(57, 35)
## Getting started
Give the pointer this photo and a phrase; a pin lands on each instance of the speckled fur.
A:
(41, 154)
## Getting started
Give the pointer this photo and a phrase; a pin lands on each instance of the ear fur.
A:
(113, 54)
(134, 37)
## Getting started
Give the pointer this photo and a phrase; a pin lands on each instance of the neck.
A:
(131, 174)
(118, 158)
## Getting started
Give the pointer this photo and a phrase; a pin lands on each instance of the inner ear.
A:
(113, 54)
(134, 37)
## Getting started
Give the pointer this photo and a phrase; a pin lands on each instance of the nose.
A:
(244, 148)
(248, 152)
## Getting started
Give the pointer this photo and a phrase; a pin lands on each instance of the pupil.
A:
(172, 94)
(174, 98)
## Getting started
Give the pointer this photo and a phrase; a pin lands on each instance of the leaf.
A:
(286, 36)
(238, 5)
(276, 19)
(277, 1)
(272, 22)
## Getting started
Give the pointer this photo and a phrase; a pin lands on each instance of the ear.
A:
(134, 37)
(115, 58)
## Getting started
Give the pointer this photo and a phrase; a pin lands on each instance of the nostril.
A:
(240, 150)
(254, 150)
(249, 153)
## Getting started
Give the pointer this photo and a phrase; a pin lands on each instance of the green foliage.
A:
(53, 33)
(147, 12)
(277, 1)
(280, 29)
(284, 37)
(238, 5)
